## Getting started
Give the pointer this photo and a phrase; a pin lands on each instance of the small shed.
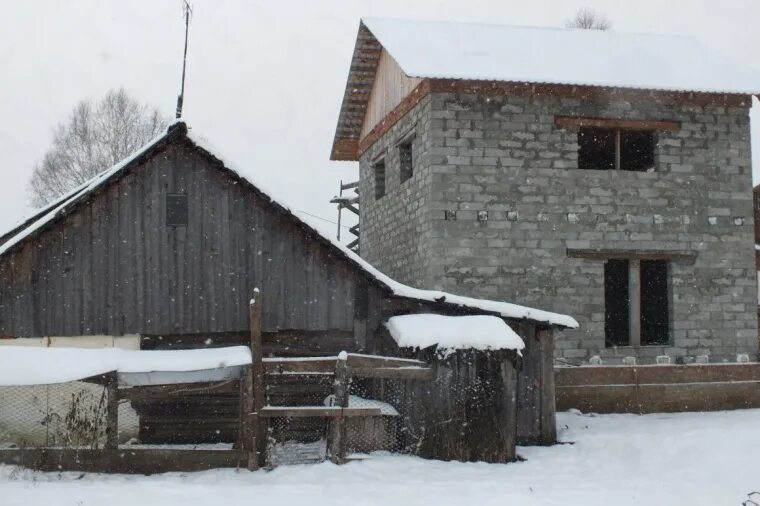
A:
(469, 411)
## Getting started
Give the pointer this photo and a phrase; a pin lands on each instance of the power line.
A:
(323, 219)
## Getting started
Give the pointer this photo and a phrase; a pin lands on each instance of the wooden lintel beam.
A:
(623, 124)
(684, 256)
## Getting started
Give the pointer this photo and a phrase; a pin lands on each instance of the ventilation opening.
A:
(406, 162)
(379, 170)
(176, 210)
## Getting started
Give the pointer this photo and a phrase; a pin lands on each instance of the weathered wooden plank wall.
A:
(467, 413)
(115, 267)
(536, 418)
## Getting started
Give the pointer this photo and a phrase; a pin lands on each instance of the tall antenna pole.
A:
(187, 10)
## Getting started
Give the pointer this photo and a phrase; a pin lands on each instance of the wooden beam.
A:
(305, 365)
(591, 93)
(684, 256)
(248, 422)
(258, 424)
(548, 433)
(361, 360)
(112, 411)
(316, 412)
(634, 299)
(123, 460)
(336, 441)
(624, 124)
(326, 365)
(402, 373)
(162, 391)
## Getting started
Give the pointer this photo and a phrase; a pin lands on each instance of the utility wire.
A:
(323, 219)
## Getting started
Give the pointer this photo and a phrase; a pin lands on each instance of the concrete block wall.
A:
(395, 229)
(504, 155)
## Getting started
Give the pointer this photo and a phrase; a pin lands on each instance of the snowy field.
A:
(688, 458)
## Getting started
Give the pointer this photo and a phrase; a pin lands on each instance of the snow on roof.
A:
(480, 332)
(398, 289)
(21, 365)
(438, 49)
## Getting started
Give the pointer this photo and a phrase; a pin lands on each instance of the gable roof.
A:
(178, 131)
(550, 56)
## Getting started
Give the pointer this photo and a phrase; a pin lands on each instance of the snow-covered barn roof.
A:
(439, 50)
(49, 215)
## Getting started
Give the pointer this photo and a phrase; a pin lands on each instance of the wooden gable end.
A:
(389, 89)
(115, 266)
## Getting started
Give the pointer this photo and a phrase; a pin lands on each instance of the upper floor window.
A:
(378, 168)
(616, 144)
(616, 149)
(406, 159)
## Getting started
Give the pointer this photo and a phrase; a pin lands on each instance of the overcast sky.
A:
(265, 78)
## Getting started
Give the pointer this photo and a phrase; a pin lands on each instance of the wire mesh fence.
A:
(64, 415)
(381, 433)
(297, 440)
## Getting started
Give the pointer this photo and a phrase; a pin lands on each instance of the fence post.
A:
(337, 437)
(258, 424)
(112, 410)
(246, 430)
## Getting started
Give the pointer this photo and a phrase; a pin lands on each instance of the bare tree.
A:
(95, 137)
(587, 19)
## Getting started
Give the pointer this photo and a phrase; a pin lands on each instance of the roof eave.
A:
(361, 78)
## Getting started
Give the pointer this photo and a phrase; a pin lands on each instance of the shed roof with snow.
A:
(439, 50)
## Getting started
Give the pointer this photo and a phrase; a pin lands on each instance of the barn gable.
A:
(113, 264)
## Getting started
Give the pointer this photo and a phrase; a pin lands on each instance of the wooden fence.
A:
(343, 366)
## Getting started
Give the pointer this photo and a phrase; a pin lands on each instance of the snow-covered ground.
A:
(661, 459)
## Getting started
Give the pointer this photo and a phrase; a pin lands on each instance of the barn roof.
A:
(52, 213)
(517, 54)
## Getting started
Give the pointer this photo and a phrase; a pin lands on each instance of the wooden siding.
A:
(113, 267)
(391, 86)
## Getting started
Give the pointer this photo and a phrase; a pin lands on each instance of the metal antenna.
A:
(187, 11)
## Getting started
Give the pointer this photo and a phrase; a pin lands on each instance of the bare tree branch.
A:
(587, 19)
(95, 137)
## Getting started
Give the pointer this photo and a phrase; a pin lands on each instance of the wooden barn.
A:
(169, 246)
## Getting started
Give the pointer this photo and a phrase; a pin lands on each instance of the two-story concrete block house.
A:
(601, 174)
